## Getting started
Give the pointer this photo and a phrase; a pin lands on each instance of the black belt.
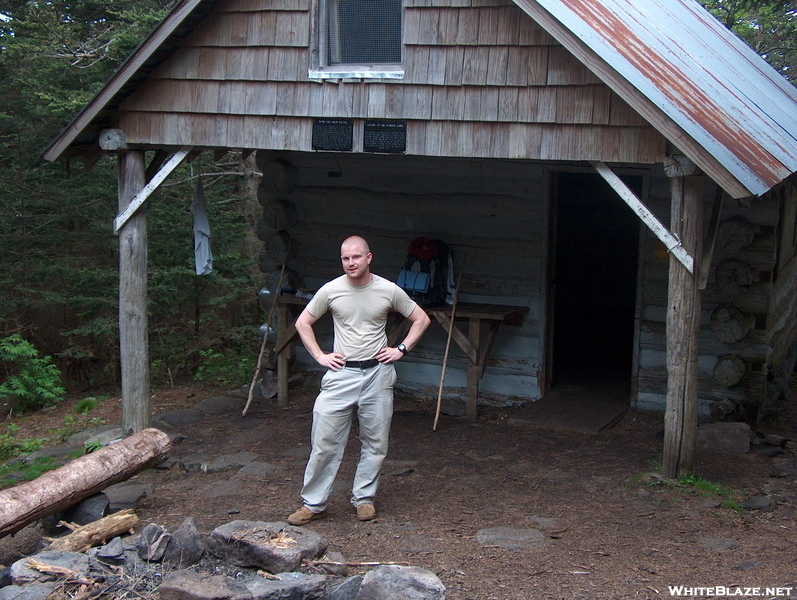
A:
(361, 364)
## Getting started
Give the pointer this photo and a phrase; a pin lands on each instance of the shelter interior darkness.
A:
(596, 246)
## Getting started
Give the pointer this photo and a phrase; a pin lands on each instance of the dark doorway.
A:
(596, 237)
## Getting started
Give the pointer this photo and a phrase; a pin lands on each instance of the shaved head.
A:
(355, 240)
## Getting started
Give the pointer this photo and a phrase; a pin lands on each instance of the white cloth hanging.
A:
(202, 253)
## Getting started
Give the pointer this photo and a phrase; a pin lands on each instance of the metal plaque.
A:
(333, 134)
(385, 136)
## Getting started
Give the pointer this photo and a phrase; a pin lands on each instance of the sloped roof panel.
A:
(703, 77)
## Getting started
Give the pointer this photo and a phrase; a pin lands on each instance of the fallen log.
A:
(83, 537)
(80, 478)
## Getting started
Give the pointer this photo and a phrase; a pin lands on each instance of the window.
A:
(359, 38)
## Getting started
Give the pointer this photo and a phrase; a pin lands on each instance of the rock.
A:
(291, 586)
(186, 546)
(724, 437)
(125, 495)
(275, 547)
(511, 537)
(346, 589)
(338, 568)
(768, 451)
(177, 419)
(408, 583)
(39, 591)
(152, 543)
(101, 435)
(211, 463)
(260, 470)
(187, 585)
(89, 510)
(759, 503)
(774, 440)
(548, 525)
(112, 553)
(23, 574)
(718, 543)
(220, 405)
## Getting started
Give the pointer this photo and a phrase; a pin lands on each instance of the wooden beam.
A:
(683, 326)
(708, 246)
(155, 164)
(133, 328)
(671, 241)
(130, 209)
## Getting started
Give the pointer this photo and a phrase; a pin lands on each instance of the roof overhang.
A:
(698, 84)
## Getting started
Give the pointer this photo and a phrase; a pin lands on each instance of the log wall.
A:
(735, 304)
(481, 79)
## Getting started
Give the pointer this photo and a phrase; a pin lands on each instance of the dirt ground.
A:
(613, 531)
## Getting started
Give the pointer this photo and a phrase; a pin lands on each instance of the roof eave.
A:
(133, 63)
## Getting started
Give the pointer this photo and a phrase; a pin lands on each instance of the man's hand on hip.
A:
(333, 360)
(388, 355)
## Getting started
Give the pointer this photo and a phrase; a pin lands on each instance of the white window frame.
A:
(320, 70)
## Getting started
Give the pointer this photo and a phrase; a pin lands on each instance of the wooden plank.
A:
(447, 26)
(455, 65)
(417, 64)
(412, 27)
(518, 66)
(212, 63)
(489, 25)
(262, 29)
(474, 69)
(468, 33)
(140, 197)
(394, 101)
(489, 104)
(528, 104)
(261, 99)
(472, 401)
(509, 19)
(670, 241)
(473, 103)
(508, 104)
(417, 102)
(497, 60)
(546, 105)
(537, 65)
(601, 105)
(436, 73)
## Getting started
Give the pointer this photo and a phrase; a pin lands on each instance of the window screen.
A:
(363, 32)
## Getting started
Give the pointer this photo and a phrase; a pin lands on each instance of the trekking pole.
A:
(448, 345)
(268, 326)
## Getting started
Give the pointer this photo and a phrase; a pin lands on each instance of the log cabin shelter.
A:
(622, 171)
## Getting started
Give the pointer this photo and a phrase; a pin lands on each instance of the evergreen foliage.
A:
(30, 381)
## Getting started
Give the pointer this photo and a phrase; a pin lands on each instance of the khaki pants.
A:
(370, 392)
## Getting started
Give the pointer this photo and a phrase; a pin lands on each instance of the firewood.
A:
(80, 478)
(93, 534)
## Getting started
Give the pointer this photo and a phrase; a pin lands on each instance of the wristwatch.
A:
(402, 348)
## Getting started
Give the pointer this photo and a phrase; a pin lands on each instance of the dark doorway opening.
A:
(596, 239)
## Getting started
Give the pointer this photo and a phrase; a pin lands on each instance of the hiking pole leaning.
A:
(268, 326)
(448, 345)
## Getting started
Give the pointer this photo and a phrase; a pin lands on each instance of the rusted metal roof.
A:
(701, 76)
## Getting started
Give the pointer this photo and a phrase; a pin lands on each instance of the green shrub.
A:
(31, 381)
(86, 405)
(225, 368)
(11, 446)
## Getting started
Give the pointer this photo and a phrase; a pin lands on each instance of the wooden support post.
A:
(133, 332)
(474, 371)
(283, 357)
(683, 327)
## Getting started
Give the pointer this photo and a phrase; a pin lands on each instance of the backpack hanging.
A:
(428, 274)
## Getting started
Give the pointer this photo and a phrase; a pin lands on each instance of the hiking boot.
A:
(366, 512)
(304, 515)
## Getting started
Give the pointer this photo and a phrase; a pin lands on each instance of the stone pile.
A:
(240, 560)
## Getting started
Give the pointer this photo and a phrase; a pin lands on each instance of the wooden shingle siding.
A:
(481, 79)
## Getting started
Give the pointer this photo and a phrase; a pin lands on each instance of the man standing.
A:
(360, 376)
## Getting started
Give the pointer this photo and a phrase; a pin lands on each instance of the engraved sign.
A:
(333, 134)
(385, 136)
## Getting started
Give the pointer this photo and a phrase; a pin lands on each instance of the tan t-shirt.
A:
(360, 314)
